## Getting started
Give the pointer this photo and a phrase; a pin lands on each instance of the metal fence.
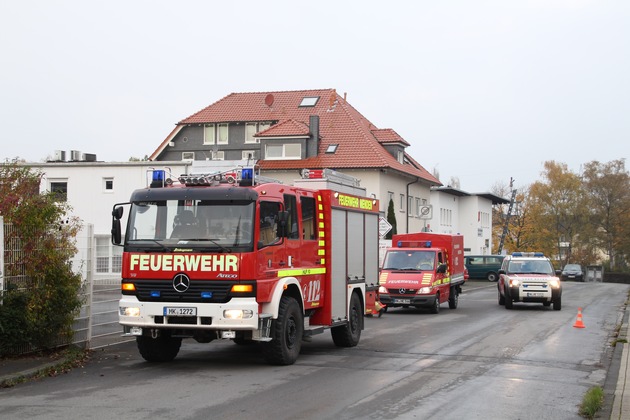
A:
(96, 324)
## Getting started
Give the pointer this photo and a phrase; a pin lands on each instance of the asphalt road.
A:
(479, 361)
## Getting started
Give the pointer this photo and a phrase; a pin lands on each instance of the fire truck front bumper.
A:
(237, 314)
(419, 301)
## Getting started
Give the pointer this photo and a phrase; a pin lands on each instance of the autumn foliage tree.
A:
(40, 298)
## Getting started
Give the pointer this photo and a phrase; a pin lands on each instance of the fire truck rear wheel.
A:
(164, 348)
(286, 334)
(349, 335)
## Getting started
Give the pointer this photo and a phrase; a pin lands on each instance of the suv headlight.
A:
(515, 283)
(554, 283)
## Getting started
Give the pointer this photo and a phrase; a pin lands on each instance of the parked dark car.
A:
(573, 272)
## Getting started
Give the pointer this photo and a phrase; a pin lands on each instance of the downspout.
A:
(413, 182)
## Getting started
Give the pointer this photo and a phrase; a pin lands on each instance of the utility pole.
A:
(507, 217)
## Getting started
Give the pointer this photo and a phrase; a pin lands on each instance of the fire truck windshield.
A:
(409, 260)
(194, 223)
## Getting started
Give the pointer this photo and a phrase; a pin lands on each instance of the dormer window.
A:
(309, 101)
(400, 156)
(332, 148)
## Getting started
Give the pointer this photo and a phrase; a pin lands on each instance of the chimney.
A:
(312, 147)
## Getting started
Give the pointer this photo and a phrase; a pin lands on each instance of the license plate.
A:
(403, 301)
(180, 311)
(535, 294)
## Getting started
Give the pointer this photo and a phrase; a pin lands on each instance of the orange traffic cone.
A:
(578, 321)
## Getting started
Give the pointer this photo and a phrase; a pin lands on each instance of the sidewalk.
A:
(621, 402)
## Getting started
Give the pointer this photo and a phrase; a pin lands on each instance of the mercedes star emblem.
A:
(402, 291)
(181, 283)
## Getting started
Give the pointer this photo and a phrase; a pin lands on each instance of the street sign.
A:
(383, 227)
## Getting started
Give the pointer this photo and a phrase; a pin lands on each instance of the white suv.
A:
(529, 277)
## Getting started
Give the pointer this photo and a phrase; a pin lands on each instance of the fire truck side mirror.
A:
(116, 231)
(441, 268)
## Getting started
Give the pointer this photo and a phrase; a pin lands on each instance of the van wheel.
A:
(491, 276)
(453, 298)
(435, 309)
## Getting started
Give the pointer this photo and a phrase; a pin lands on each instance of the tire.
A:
(492, 276)
(509, 303)
(349, 335)
(435, 309)
(164, 348)
(557, 304)
(501, 297)
(453, 298)
(286, 334)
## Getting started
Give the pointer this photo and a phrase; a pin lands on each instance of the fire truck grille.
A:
(402, 291)
(198, 291)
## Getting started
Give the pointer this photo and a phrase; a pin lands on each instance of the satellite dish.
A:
(269, 100)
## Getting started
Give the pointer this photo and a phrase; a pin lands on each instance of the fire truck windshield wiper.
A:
(162, 246)
(213, 240)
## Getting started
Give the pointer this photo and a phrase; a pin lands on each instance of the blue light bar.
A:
(399, 244)
(428, 244)
(158, 175)
(247, 173)
(517, 254)
(538, 254)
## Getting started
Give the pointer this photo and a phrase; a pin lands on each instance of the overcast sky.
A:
(482, 90)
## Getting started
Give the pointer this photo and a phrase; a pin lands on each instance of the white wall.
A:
(87, 196)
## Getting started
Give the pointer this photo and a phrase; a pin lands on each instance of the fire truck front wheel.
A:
(163, 348)
(348, 335)
(286, 334)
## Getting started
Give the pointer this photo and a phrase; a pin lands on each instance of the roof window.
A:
(309, 101)
(332, 148)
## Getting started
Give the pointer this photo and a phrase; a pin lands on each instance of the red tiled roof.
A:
(285, 128)
(358, 140)
(387, 135)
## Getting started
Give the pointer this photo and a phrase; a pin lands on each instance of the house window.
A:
(332, 148)
(248, 154)
(222, 135)
(309, 101)
(417, 207)
(59, 189)
(283, 151)
(400, 156)
(250, 130)
(409, 206)
(188, 155)
(108, 184)
(402, 202)
(209, 134)
(390, 197)
(219, 155)
(108, 257)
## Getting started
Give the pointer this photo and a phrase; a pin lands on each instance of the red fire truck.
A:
(228, 255)
(423, 270)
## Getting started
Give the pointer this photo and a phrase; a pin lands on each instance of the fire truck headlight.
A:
(382, 289)
(129, 311)
(237, 314)
(514, 283)
(554, 283)
(424, 290)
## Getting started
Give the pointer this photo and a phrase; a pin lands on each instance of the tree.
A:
(41, 296)
(608, 190)
(558, 213)
(391, 218)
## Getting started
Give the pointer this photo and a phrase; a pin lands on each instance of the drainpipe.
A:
(413, 182)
